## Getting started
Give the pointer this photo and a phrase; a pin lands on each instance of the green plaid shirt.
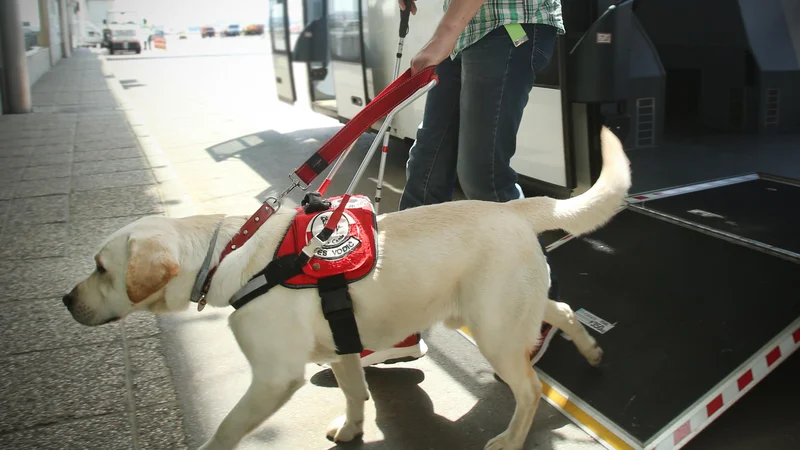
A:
(496, 13)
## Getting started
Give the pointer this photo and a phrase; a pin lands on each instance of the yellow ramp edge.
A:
(577, 414)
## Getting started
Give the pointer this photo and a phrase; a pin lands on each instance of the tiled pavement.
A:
(70, 173)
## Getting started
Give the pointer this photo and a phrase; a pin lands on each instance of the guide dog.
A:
(470, 263)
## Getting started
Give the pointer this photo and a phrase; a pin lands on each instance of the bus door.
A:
(281, 54)
(346, 40)
(312, 48)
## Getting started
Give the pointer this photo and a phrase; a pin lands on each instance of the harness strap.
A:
(337, 307)
(276, 272)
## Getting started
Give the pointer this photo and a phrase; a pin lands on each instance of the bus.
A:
(618, 65)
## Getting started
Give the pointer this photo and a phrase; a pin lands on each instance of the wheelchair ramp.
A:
(691, 292)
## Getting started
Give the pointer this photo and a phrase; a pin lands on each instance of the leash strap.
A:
(401, 89)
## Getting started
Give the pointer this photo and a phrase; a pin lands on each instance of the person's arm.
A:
(455, 19)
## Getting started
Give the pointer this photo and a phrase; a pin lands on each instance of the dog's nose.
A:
(68, 300)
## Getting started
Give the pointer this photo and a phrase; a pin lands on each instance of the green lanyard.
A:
(517, 33)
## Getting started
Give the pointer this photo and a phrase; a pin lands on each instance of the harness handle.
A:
(401, 89)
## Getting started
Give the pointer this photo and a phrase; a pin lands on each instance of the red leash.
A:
(393, 95)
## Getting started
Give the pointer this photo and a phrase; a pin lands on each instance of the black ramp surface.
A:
(762, 210)
(689, 309)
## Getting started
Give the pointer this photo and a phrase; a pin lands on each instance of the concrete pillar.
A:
(15, 63)
(66, 48)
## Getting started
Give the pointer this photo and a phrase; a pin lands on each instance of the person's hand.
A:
(413, 6)
(434, 52)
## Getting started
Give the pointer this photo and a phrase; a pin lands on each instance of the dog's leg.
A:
(516, 370)
(261, 400)
(350, 377)
(560, 315)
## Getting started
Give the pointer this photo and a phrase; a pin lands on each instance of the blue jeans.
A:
(469, 128)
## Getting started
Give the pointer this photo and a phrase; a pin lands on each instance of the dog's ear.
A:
(150, 267)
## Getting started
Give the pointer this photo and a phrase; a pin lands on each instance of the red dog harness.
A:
(337, 236)
(350, 250)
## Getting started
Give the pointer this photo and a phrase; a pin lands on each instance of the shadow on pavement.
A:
(406, 417)
(275, 155)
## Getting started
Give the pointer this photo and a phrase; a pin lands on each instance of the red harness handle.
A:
(394, 94)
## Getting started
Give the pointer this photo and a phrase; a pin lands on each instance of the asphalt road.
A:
(212, 106)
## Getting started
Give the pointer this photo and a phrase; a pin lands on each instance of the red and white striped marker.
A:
(732, 390)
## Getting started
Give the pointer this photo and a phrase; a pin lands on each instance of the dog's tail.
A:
(595, 207)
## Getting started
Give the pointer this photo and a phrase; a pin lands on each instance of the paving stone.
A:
(13, 162)
(49, 159)
(41, 172)
(41, 278)
(30, 142)
(106, 144)
(22, 142)
(147, 358)
(43, 324)
(49, 209)
(99, 129)
(40, 388)
(11, 175)
(141, 324)
(116, 165)
(103, 155)
(112, 180)
(161, 427)
(108, 134)
(34, 241)
(39, 188)
(109, 432)
(7, 190)
(154, 391)
(116, 202)
(4, 207)
(68, 134)
(56, 148)
(16, 151)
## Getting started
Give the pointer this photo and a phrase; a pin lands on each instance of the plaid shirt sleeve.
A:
(496, 13)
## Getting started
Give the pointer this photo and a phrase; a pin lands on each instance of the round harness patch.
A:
(341, 243)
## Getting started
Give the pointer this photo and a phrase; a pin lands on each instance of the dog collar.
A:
(202, 282)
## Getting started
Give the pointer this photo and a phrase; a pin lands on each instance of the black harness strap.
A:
(337, 307)
(277, 271)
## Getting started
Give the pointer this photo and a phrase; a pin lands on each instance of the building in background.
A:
(42, 30)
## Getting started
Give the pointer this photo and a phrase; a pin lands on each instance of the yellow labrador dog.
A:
(469, 263)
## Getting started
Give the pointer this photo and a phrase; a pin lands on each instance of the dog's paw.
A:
(500, 442)
(594, 355)
(342, 430)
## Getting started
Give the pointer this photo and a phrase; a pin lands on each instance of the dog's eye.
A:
(100, 269)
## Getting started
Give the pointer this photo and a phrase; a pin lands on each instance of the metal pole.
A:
(66, 48)
(15, 63)
(374, 146)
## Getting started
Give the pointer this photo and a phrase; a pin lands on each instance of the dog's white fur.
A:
(462, 263)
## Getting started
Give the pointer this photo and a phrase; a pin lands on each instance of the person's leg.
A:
(497, 79)
(431, 166)
(430, 177)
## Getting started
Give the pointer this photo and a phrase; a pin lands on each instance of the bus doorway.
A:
(732, 91)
